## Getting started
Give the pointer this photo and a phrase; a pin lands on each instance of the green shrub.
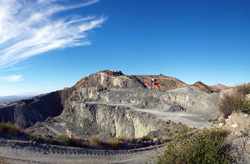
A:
(2, 127)
(34, 137)
(64, 139)
(204, 147)
(50, 140)
(244, 106)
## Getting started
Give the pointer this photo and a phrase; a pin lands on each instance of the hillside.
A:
(95, 102)
(219, 86)
(5, 100)
(109, 105)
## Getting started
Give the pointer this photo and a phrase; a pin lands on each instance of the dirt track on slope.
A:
(19, 152)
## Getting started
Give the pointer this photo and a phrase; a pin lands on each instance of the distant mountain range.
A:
(9, 99)
(219, 86)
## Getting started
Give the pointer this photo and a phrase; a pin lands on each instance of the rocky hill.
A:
(27, 112)
(219, 86)
(168, 83)
(110, 104)
(5, 100)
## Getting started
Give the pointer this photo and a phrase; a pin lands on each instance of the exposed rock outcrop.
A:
(27, 112)
(103, 79)
(170, 83)
(113, 105)
(88, 106)
(239, 126)
(111, 121)
(203, 87)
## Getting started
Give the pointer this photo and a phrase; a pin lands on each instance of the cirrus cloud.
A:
(11, 78)
(32, 27)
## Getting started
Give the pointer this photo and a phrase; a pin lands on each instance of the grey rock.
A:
(34, 143)
(176, 108)
(26, 113)
(239, 136)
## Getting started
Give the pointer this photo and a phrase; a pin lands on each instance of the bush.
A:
(64, 139)
(206, 146)
(34, 137)
(76, 141)
(113, 143)
(235, 101)
(49, 140)
(243, 89)
(11, 128)
(95, 142)
(2, 127)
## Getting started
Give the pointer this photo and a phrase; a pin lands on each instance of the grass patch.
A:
(49, 140)
(34, 137)
(206, 146)
(11, 128)
(64, 139)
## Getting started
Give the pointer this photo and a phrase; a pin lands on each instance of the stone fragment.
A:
(234, 126)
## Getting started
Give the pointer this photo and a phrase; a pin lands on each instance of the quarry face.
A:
(110, 105)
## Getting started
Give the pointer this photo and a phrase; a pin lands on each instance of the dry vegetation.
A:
(76, 141)
(235, 101)
(113, 143)
(10, 128)
(95, 141)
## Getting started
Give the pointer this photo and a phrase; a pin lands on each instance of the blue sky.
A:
(46, 45)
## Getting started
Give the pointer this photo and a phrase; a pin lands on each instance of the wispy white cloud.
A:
(11, 78)
(30, 27)
(47, 83)
(15, 68)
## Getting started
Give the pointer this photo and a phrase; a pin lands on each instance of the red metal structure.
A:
(152, 83)
(111, 72)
